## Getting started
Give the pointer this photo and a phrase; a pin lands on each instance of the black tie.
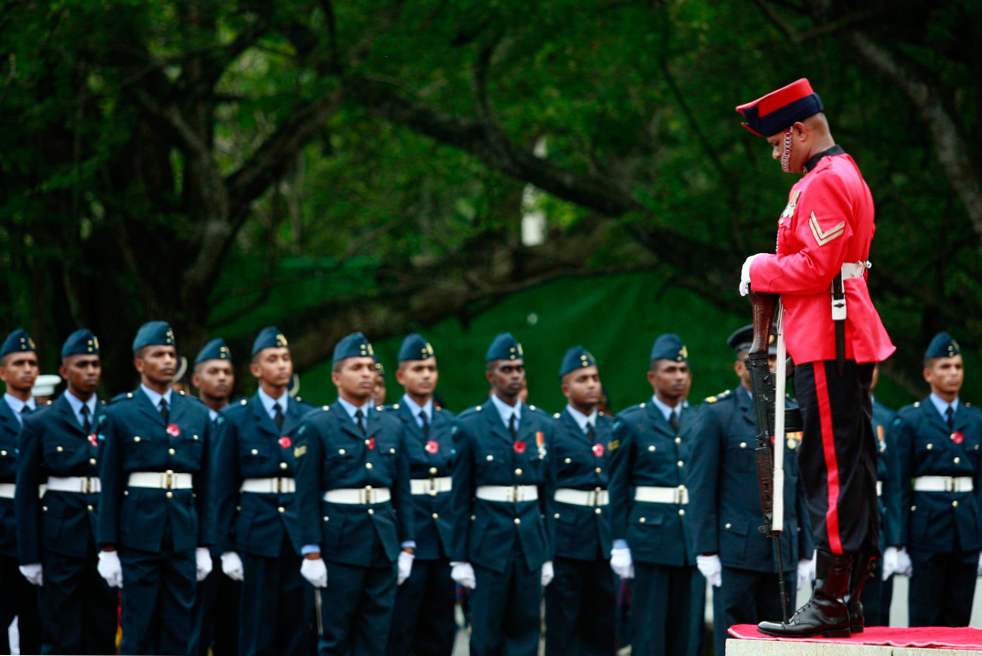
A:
(360, 420)
(513, 427)
(673, 420)
(278, 415)
(591, 433)
(86, 425)
(425, 424)
(164, 410)
(949, 415)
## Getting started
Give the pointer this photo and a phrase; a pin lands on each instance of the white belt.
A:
(855, 269)
(590, 498)
(269, 485)
(943, 484)
(7, 490)
(650, 494)
(879, 488)
(430, 486)
(358, 495)
(508, 493)
(165, 480)
(81, 484)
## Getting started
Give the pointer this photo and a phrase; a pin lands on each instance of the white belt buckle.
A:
(167, 479)
(88, 485)
(368, 495)
(432, 488)
(681, 495)
(517, 493)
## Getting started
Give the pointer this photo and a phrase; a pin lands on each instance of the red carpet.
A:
(924, 636)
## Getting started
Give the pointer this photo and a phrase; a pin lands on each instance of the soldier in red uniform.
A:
(834, 336)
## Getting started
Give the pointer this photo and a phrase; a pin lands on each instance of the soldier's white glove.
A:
(904, 566)
(405, 566)
(32, 572)
(804, 573)
(463, 574)
(621, 563)
(110, 568)
(202, 562)
(547, 573)
(315, 571)
(711, 568)
(890, 562)
(232, 566)
(745, 276)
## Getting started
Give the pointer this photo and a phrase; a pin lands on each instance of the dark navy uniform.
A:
(19, 598)
(878, 593)
(725, 512)
(78, 609)
(938, 508)
(648, 461)
(256, 517)
(580, 602)
(355, 507)
(506, 541)
(423, 619)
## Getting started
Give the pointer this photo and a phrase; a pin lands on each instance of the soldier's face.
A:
(507, 377)
(157, 364)
(418, 377)
(214, 378)
(82, 372)
(19, 371)
(355, 379)
(273, 366)
(795, 142)
(378, 389)
(582, 387)
(669, 379)
(945, 375)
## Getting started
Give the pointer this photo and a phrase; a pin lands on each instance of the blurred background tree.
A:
(453, 165)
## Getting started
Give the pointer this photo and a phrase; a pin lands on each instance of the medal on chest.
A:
(173, 430)
(432, 447)
(958, 437)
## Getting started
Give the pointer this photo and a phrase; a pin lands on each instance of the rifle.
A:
(768, 391)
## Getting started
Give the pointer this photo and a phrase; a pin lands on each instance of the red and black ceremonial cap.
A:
(780, 109)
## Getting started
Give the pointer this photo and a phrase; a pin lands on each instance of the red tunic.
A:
(828, 221)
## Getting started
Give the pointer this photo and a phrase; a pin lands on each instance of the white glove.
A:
(904, 566)
(202, 561)
(110, 568)
(547, 573)
(621, 563)
(232, 566)
(315, 571)
(32, 573)
(463, 574)
(745, 276)
(711, 568)
(804, 573)
(890, 562)
(405, 566)
(980, 565)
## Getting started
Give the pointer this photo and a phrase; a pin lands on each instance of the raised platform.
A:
(874, 641)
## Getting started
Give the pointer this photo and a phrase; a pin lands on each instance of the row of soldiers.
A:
(345, 529)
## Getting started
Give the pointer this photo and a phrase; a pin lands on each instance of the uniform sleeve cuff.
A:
(309, 549)
(620, 544)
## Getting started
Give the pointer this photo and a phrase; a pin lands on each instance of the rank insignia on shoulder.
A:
(613, 445)
(299, 451)
(823, 237)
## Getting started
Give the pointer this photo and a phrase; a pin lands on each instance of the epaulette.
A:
(718, 397)
(243, 402)
(555, 415)
(123, 396)
(469, 411)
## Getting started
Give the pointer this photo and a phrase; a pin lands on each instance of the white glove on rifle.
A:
(745, 276)
(202, 561)
(904, 566)
(711, 568)
(621, 563)
(890, 562)
(110, 568)
(32, 572)
(805, 575)
(232, 566)
(405, 566)
(547, 573)
(315, 571)
(463, 574)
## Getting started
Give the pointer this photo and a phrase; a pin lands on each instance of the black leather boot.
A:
(826, 612)
(863, 569)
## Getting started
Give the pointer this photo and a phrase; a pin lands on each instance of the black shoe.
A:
(864, 568)
(825, 613)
